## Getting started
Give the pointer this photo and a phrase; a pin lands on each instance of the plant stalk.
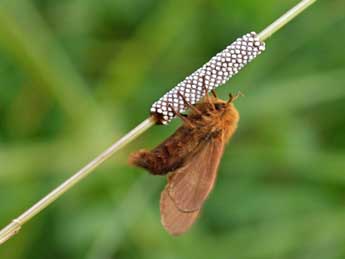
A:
(284, 19)
(16, 224)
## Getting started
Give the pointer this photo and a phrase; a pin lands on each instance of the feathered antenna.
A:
(214, 73)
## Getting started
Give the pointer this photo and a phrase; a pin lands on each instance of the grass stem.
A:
(284, 19)
(16, 224)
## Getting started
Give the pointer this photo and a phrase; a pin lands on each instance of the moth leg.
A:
(207, 98)
(214, 93)
(183, 118)
(188, 104)
(206, 94)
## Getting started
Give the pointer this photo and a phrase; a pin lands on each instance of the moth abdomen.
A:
(157, 163)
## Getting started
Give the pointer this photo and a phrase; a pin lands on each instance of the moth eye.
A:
(219, 106)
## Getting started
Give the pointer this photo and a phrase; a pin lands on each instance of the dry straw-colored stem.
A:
(16, 224)
(284, 19)
(13, 228)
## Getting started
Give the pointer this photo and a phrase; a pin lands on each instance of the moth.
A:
(190, 159)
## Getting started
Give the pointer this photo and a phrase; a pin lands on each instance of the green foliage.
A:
(76, 75)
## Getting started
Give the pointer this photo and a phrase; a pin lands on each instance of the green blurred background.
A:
(76, 75)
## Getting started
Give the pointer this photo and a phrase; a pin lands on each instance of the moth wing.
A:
(173, 220)
(190, 185)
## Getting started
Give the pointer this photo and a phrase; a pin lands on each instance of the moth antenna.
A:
(188, 104)
(233, 98)
(183, 118)
(205, 89)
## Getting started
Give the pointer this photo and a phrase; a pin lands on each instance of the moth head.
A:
(220, 105)
(225, 110)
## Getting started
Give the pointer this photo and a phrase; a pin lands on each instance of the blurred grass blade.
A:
(137, 55)
(24, 34)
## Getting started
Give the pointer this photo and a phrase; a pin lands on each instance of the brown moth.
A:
(190, 158)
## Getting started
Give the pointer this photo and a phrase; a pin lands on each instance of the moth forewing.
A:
(190, 185)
